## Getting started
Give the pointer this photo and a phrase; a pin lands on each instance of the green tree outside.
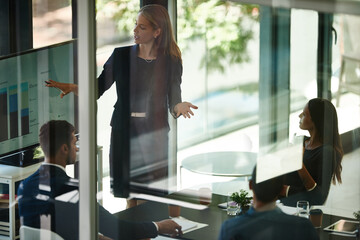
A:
(224, 26)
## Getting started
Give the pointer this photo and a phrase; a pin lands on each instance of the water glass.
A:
(232, 207)
(302, 209)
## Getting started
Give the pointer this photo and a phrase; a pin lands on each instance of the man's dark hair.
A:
(267, 191)
(53, 134)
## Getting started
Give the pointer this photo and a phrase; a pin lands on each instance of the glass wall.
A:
(251, 70)
(115, 22)
(241, 133)
(221, 52)
(38, 135)
(220, 47)
(345, 96)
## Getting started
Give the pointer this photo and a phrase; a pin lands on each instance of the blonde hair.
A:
(158, 17)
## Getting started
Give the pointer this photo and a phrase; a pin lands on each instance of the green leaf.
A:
(241, 198)
(225, 27)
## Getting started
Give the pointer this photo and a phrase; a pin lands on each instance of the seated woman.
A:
(322, 155)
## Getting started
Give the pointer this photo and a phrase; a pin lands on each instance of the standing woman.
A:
(153, 67)
(322, 155)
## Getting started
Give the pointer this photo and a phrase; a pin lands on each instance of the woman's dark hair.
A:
(324, 117)
(53, 135)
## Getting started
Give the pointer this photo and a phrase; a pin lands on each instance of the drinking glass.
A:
(302, 209)
(232, 207)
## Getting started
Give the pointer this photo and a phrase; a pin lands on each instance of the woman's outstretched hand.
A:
(184, 108)
(65, 88)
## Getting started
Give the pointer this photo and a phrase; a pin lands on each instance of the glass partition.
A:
(27, 104)
(222, 50)
(251, 70)
(220, 47)
(38, 136)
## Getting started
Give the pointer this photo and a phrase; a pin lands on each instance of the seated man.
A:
(265, 220)
(37, 194)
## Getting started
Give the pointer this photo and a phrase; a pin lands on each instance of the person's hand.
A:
(168, 226)
(184, 108)
(284, 190)
(102, 237)
(65, 88)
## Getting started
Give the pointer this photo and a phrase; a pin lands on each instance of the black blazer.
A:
(164, 94)
(320, 163)
(36, 196)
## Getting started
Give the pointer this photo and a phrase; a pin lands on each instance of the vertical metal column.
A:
(324, 55)
(172, 160)
(88, 216)
(274, 77)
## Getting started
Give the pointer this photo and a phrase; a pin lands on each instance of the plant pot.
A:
(243, 210)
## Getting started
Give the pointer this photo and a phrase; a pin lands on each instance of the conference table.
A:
(213, 216)
(225, 164)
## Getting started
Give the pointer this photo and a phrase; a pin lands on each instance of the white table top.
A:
(15, 173)
(227, 164)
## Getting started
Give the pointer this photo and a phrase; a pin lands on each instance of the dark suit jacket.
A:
(270, 225)
(36, 196)
(164, 93)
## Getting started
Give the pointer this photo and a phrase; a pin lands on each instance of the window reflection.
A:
(227, 91)
(52, 22)
(303, 86)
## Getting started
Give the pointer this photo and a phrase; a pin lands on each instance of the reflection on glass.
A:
(220, 44)
(226, 90)
(24, 93)
(52, 22)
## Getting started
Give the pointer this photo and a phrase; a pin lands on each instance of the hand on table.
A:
(184, 108)
(168, 226)
(65, 88)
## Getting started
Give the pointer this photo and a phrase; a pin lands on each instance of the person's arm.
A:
(112, 227)
(308, 181)
(65, 88)
(306, 178)
(105, 80)
(309, 184)
(284, 191)
(184, 108)
(102, 237)
(176, 105)
(170, 227)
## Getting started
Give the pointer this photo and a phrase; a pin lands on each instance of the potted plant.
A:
(242, 199)
(357, 215)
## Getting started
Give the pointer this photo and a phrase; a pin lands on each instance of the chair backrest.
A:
(29, 233)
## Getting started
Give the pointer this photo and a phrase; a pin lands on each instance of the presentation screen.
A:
(26, 103)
